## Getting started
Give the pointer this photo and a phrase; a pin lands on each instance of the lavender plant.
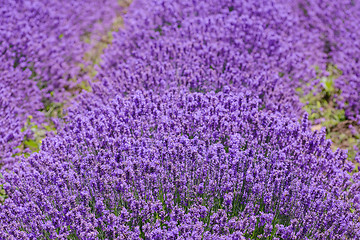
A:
(246, 45)
(41, 47)
(48, 37)
(270, 47)
(183, 165)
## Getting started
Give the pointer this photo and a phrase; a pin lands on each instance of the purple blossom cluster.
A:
(192, 130)
(183, 166)
(41, 47)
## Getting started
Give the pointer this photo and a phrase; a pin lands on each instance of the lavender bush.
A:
(254, 46)
(183, 165)
(269, 47)
(48, 36)
(41, 47)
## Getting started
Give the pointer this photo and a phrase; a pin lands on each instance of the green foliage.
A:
(324, 112)
(322, 105)
(33, 142)
(85, 86)
(3, 195)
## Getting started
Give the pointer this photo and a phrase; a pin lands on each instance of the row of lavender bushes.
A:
(192, 130)
(41, 49)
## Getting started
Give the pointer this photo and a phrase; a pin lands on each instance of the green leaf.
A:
(31, 144)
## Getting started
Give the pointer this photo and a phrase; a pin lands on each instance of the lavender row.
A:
(183, 166)
(41, 47)
(253, 46)
(267, 47)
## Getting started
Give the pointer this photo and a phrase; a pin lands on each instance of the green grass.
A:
(323, 111)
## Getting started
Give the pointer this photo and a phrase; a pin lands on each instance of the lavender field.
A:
(180, 119)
